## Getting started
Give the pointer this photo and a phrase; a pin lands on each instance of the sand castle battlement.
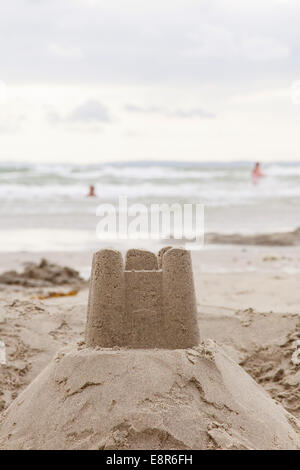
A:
(148, 303)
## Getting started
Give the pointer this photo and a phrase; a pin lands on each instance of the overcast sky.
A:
(111, 80)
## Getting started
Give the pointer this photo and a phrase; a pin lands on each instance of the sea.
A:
(44, 207)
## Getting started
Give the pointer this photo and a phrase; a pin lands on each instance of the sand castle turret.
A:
(179, 300)
(149, 303)
(106, 307)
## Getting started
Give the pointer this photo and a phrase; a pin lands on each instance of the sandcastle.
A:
(142, 380)
(148, 303)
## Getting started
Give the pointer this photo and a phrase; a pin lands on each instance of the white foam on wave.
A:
(63, 187)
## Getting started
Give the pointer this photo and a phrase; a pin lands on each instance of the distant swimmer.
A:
(92, 192)
(256, 173)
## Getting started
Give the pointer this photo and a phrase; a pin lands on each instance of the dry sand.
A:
(248, 302)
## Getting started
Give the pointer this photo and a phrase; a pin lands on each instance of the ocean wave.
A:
(45, 173)
(34, 187)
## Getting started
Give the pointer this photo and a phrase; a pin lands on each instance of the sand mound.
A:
(146, 399)
(291, 238)
(265, 239)
(266, 345)
(276, 367)
(41, 274)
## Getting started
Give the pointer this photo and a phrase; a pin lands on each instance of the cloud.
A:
(171, 113)
(212, 42)
(193, 113)
(135, 42)
(264, 48)
(65, 52)
(266, 97)
(11, 122)
(90, 112)
(140, 109)
(53, 117)
(221, 43)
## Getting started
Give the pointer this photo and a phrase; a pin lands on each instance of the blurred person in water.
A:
(257, 174)
(91, 192)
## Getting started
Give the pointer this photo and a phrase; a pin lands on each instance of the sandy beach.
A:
(150, 227)
(247, 302)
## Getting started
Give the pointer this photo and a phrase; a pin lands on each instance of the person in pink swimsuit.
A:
(91, 192)
(257, 174)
